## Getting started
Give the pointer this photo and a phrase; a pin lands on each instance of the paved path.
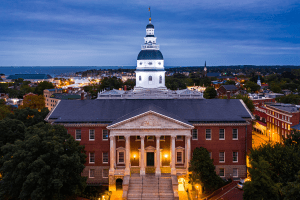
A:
(230, 193)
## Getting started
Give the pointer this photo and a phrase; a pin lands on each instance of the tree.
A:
(29, 116)
(210, 93)
(45, 165)
(4, 111)
(112, 83)
(261, 185)
(34, 102)
(42, 86)
(203, 170)
(275, 87)
(252, 86)
(291, 98)
(247, 101)
(229, 82)
(292, 189)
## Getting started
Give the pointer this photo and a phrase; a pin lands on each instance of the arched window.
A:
(140, 78)
(160, 79)
(150, 78)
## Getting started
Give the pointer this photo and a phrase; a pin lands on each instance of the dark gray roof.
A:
(285, 107)
(150, 55)
(230, 87)
(150, 26)
(297, 127)
(111, 111)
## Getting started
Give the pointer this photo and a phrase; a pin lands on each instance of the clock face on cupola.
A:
(150, 72)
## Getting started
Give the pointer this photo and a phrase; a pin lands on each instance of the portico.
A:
(153, 136)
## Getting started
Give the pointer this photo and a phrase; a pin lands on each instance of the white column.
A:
(127, 159)
(173, 169)
(188, 150)
(157, 170)
(142, 167)
(112, 155)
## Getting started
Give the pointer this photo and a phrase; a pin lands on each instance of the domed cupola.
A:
(150, 72)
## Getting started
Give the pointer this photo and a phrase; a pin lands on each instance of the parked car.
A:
(240, 185)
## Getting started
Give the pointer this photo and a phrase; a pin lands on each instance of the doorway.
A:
(119, 183)
(150, 159)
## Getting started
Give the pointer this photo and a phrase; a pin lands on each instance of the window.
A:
(92, 134)
(234, 134)
(78, 134)
(140, 78)
(138, 137)
(195, 134)
(150, 78)
(92, 173)
(105, 157)
(104, 134)
(221, 172)
(162, 138)
(222, 134)
(160, 79)
(210, 155)
(179, 157)
(221, 156)
(179, 137)
(92, 157)
(121, 138)
(235, 156)
(208, 134)
(150, 137)
(105, 173)
(121, 157)
(235, 172)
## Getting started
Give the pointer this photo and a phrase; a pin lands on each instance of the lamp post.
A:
(197, 187)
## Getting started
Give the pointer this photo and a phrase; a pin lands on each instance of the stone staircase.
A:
(150, 187)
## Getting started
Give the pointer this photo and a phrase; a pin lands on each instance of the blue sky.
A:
(110, 32)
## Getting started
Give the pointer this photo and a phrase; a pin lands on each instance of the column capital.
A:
(111, 137)
(142, 137)
(157, 136)
(127, 137)
(173, 136)
(188, 136)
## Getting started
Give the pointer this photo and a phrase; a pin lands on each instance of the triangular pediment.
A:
(150, 120)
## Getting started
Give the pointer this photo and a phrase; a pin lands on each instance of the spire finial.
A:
(150, 14)
(205, 63)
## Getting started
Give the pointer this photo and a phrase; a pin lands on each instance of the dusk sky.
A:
(110, 32)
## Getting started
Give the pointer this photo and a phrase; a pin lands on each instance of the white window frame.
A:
(220, 157)
(122, 149)
(237, 172)
(91, 130)
(237, 134)
(181, 150)
(193, 131)
(224, 134)
(103, 173)
(237, 156)
(90, 158)
(210, 134)
(103, 157)
(103, 139)
(76, 134)
(220, 173)
(90, 173)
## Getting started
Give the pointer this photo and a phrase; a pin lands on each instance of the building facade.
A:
(146, 133)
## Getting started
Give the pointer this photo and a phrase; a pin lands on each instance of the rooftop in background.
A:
(30, 76)
(291, 108)
(66, 96)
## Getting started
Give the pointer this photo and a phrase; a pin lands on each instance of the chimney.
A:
(228, 94)
(125, 87)
(82, 96)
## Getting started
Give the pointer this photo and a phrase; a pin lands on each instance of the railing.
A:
(150, 46)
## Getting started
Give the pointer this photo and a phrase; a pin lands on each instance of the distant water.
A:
(55, 71)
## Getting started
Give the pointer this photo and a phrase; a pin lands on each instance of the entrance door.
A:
(150, 159)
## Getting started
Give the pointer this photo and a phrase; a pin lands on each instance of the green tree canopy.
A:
(247, 101)
(252, 86)
(292, 189)
(203, 170)
(42, 86)
(45, 165)
(34, 102)
(210, 93)
(111, 82)
(291, 98)
(29, 116)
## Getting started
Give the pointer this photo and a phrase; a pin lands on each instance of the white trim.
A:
(51, 111)
(76, 135)
(210, 134)
(179, 150)
(90, 158)
(224, 134)
(237, 134)
(196, 133)
(121, 149)
(90, 134)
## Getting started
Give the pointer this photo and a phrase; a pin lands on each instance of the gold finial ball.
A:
(150, 19)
